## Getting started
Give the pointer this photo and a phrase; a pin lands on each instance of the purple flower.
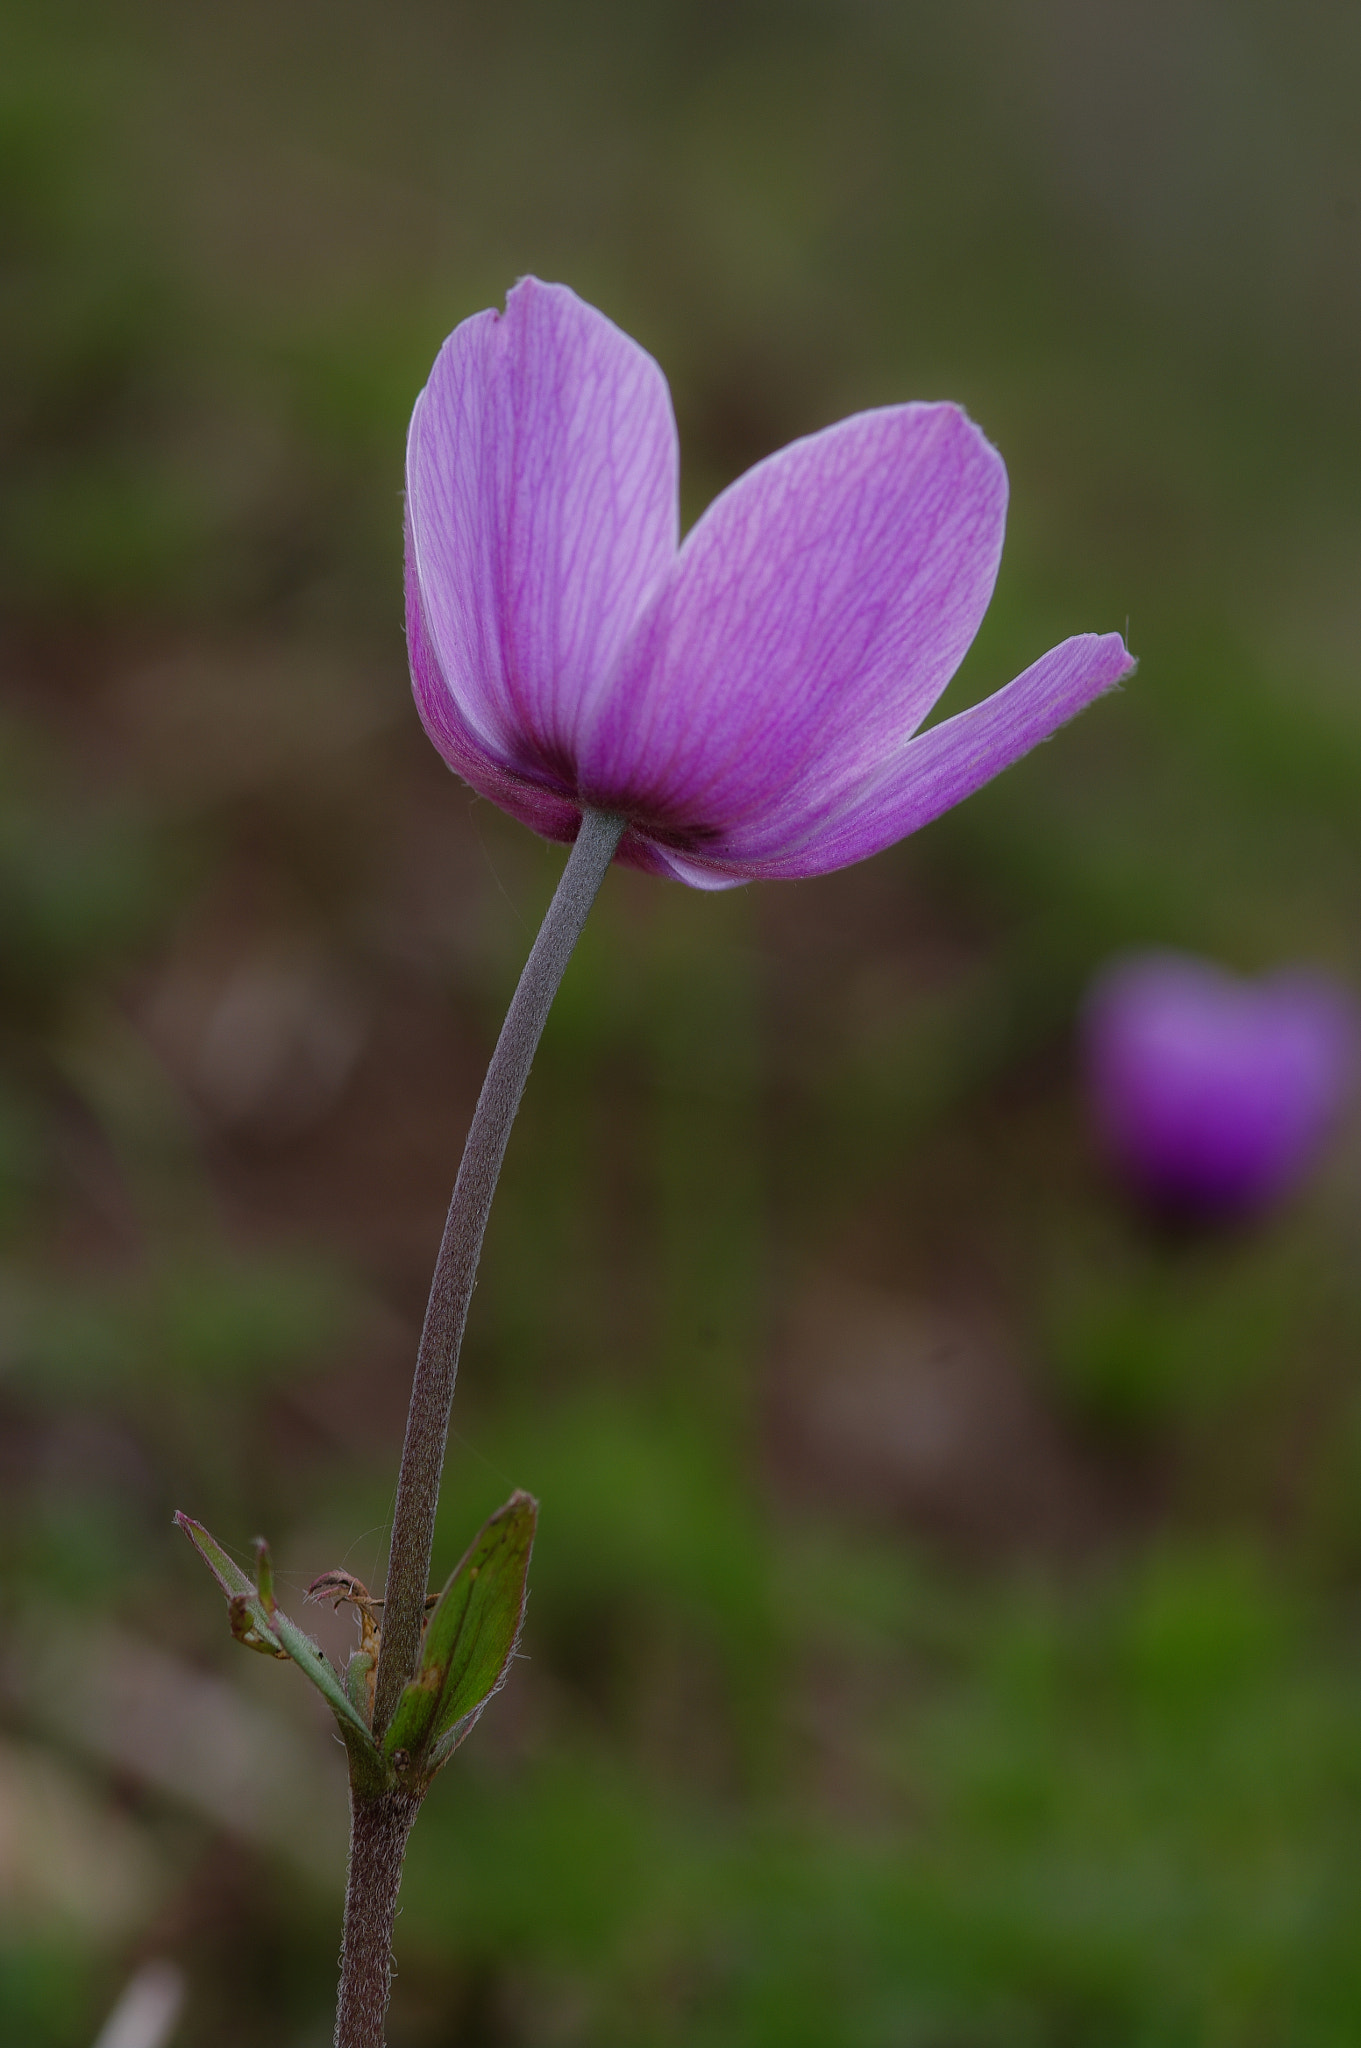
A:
(1209, 1093)
(746, 700)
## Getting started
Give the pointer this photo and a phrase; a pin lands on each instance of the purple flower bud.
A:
(1212, 1094)
(750, 699)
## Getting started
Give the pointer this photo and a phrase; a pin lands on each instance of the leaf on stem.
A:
(469, 1640)
(261, 1624)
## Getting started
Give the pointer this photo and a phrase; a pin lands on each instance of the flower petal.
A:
(543, 810)
(938, 769)
(812, 618)
(656, 860)
(541, 494)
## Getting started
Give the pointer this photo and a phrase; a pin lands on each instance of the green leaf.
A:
(469, 1639)
(224, 1569)
(254, 1616)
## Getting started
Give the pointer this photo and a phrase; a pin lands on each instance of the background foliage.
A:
(944, 1628)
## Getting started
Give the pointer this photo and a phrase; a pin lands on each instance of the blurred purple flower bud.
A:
(1212, 1094)
(747, 700)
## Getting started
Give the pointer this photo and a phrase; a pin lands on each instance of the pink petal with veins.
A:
(937, 769)
(810, 621)
(541, 509)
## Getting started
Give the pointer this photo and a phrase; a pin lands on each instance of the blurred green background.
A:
(945, 1619)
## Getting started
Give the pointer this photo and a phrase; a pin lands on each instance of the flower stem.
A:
(379, 1828)
(380, 1824)
(432, 1392)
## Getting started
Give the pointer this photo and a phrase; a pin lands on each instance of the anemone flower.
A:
(1209, 1093)
(749, 700)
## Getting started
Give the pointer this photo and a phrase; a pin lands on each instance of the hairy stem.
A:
(432, 1392)
(378, 1833)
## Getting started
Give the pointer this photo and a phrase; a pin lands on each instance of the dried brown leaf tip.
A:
(342, 1588)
